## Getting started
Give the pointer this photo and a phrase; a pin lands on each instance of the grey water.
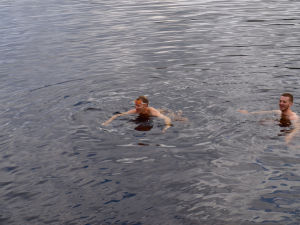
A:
(67, 66)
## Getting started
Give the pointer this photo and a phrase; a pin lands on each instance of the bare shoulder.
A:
(294, 117)
(154, 112)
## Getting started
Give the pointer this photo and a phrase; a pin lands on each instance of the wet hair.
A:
(291, 97)
(144, 99)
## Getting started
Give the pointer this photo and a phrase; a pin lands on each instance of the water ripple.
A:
(66, 67)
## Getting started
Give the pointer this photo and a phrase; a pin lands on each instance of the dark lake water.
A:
(67, 66)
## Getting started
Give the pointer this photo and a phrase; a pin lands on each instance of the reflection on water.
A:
(66, 66)
(144, 123)
(284, 122)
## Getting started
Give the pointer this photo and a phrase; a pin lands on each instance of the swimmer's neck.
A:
(290, 115)
(143, 112)
(286, 113)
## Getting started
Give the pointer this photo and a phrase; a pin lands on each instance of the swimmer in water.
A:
(287, 116)
(143, 109)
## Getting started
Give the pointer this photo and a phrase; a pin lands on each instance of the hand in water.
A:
(166, 128)
(105, 123)
(243, 111)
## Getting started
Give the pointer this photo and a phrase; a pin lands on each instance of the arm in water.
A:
(295, 130)
(259, 112)
(155, 112)
(133, 111)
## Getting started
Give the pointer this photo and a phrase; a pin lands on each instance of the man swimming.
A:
(142, 109)
(287, 116)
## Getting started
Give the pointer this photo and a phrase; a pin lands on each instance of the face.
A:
(139, 105)
(284, 103)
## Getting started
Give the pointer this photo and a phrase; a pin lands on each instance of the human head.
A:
(290, 96)
(142, 100)
(141, 103)
(286, 101)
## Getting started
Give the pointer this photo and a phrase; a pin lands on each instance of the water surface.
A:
(65, 67)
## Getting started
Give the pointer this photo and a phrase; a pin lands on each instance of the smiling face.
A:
(284, 103)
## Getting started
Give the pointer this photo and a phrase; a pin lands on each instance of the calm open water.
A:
(67, 66)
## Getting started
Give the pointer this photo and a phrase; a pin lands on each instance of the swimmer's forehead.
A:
(285, 98)
(138, 102)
